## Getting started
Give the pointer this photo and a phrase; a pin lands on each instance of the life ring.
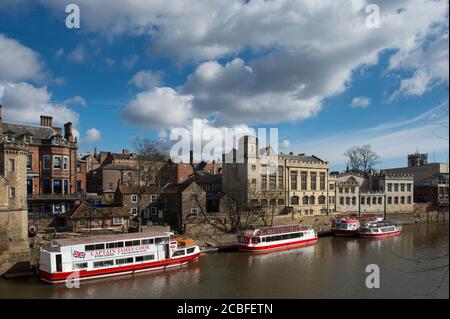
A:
(32, 230)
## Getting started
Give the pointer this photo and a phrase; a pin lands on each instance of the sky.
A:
(315, 70)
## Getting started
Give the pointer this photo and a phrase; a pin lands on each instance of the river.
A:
(411, 266)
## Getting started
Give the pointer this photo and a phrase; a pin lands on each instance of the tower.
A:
(417, 159)
(14, 247)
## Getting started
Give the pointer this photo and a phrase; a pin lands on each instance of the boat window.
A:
(190, 250)
(285, 237)
(115, 245)
(89, 247)
(374, 230)
(99, 246)
(136, 242)
(149, 257)
(79, 266)
(147, 241)
(179, 253)
(122, 261)
(128, 243)
(104, 263)
(58, 263)
(158, 240)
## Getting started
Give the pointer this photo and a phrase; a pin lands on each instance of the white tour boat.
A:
(276, 237)
(112, 255)
(380, 229)
(349, 225)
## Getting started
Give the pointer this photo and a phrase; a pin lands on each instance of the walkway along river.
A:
(413, 265)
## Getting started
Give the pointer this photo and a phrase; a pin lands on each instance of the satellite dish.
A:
(32, 230)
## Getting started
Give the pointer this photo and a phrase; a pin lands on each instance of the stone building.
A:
(138, 201)
(51, 165)
(380, 193)
(14, 246)
(430, 179)
(279, 182)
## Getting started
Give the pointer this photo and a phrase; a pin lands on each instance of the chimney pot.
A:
(46, 121)
(68, 134)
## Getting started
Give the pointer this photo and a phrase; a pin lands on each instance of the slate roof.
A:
(37, 132)
(86, 210)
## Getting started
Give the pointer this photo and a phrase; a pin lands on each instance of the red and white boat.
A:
(113, 255)
(276, 237)
(380, 229)
(349, 226)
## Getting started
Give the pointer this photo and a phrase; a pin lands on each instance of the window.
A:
(29, 186)
(66, 186)
(304, 180)
(99, 246)
(331, 187)
(147, 241)
(374, 200)
(347, 201)
(46, 161)
(273, 202)
(134, 198)
(305, 200)
(395, 200)
(194, 198)
(322, 181)
(153, 210)
(253, 167)
(57, 186)
(272, 182)
(402, 187)
(312, 200)
(313, 181)
(153, 198)
(12, 192)
(408, 187)
(353, 200)
(264, 182)
(280, 177)
(82, 222)
(363, 200)
(144, 258)
(409, 199)
(12, 166)
(293, 180)
(281, 202)
(104, 263)
(89, 247)
(341, 190)
(30, 161)
(66, 163)
(110, 187)
(57, 162)
(117, 220)
(117, 244)
(190, 250)
(389, 187)
(123, 261)
(389, 200)
(179, 253)
(194, 213)
(294, 200)
(380, 200)
(134, 211)
(47, 186)
(341, 200)
(321, 200)
(402, 200)
(395, 187)
(79, 266)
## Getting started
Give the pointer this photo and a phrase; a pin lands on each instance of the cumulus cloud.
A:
(147, 79)
(360, 101)
(159, 108)
(18, 62)
(25, 103)
(92, 135)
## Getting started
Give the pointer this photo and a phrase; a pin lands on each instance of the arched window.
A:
(369, 201)
(264, 202)
(380, 200)
(280, 202)
(395, 200)
(273, 202)
(409, 199)
(402, 199)
(312, 200)
(322, 200)
(341, 200)
(347, 200)
(389, 200)
(305, 200)
(353, 200)
(374, 200)
(363, 200)
(294, 200)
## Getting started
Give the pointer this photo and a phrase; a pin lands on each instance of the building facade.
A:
(281, 183)
(51, 182)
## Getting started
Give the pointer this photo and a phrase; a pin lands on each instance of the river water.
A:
(411, 266)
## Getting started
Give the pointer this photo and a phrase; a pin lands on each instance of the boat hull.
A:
(344, 232)
(56, 278)
(246, 248)
(388, 234)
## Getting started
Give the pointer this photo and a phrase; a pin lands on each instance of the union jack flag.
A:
(78, 254)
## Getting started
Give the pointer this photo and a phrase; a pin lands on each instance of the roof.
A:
(37, 132)
(177, 188)
(109, 238)
(303, 158)
(117, 167)
(86, 210)
(133, 189)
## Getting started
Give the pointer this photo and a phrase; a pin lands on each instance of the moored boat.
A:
(380, 229)
(113, 255)
(276, 237)
(349, 225)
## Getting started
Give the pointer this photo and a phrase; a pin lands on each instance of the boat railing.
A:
(273, 230)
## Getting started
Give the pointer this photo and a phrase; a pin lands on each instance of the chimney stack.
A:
(191, 157)
(68, 135)
(46, 121)
(125, 152)
(58, 130)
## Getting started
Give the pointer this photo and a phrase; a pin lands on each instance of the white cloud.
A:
(147, 79)
(285, 143)
(361, 102)
(92, 135)
(78, 54)
(17, 62)
(25, 103)
(159, 108)
(131, 61)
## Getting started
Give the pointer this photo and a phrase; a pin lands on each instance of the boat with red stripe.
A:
(380, 229)
(113, 255)
(256, 239)
(349, 225)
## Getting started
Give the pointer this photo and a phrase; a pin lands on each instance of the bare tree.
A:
(362, 158)
(150, 158)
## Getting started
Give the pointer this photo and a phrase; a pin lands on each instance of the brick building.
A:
(138, 201)
(51, 165)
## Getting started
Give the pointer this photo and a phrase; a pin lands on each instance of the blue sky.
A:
(325, 84)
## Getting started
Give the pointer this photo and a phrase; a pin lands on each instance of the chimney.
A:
(125, 152)
(214, 166)
(191, 157)
(46, 121)
(58, 130)
(68, 135)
